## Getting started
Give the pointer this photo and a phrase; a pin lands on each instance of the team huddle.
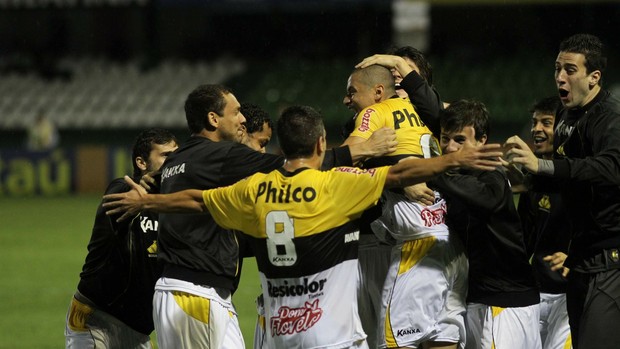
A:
(405, 236)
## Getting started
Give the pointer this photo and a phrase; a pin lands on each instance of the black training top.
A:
(587, 170)
(547, 231)
(481, 211)
(121, 269)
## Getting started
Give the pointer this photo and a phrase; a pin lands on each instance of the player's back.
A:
(302, 227)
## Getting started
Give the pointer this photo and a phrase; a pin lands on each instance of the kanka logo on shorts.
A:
(295, 320)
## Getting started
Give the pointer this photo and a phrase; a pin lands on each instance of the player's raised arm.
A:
(415, 170)
(137, 199)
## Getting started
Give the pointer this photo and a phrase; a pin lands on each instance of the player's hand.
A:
(381, 142)
(420, 193)
(484, 157)
(149, 182)
(516, 151)
(389, 61)
(128, 203)
(556, 262)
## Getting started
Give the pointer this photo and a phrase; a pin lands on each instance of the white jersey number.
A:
(280, 235)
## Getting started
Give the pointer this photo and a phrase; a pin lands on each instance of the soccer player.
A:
(301, 223)
(502, 297)
(586, 170)
(258, 127)
(435, 316)
(112, 307)
(547, 235)
(192, 299)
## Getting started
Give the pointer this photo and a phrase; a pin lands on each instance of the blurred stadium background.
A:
(102, 70)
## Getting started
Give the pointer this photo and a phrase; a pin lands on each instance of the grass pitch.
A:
(42, 249)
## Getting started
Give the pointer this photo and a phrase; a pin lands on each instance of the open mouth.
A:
(539, 139)
(563, 93)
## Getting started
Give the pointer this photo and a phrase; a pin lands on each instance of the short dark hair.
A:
(202, 100)
(463, 113)
(255, 117)
(591, 47)
(375, 74)
(144, 144)
(548, 105)
(426, 70)
(298, 129)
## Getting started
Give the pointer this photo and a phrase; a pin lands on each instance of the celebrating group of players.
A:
(406, 236)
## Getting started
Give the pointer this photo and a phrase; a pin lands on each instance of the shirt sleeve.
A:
(367, 122)
(226, 206)
(243, 162)
(425, 99)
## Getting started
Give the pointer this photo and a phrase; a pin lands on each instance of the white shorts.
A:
(88, 327)
(554, 328)
(491, 327)
(374, 262)
(259, 329)
(192, 316)
(424, 293)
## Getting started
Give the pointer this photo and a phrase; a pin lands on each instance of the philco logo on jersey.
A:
(401, 115)
(173, 171)
(147, 224)
(314, 288)
(365, 125)
(296, 320)
(406, 331)
(284, 194)
(434, 217)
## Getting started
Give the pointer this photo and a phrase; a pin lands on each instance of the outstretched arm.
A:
(137, 199)
(416, 170)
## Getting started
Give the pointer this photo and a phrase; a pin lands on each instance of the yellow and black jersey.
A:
(297, 215)
(414, 138)
(302, 227)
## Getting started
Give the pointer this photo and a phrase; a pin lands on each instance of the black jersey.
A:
(121, 268)
(481, 210)
(547, 231)
(587, 167)
(192, 246)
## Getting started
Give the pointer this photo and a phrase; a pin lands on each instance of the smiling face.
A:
(230, 123)
(575, 85)
(542, 133)
(359, 95)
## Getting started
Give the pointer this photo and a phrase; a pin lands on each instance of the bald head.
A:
(375, 75)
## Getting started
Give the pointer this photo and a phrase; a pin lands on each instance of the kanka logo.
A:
(296, 320)
(434, 217)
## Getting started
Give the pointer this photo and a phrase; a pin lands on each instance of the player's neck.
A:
(291, 165)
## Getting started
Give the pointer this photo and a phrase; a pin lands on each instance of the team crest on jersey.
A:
(296, 320)
(434, 217)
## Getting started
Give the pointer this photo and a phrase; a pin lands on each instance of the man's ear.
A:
(482, 140)
(379, 90)
(321, 146)
(594, 78)
(141, 163)
(213, 120)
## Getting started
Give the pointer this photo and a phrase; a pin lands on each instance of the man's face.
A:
(542, 133)
(572, 80)
(230, 123)
(259, 139)
(359, 95)
(453, 141)
(158, 154)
